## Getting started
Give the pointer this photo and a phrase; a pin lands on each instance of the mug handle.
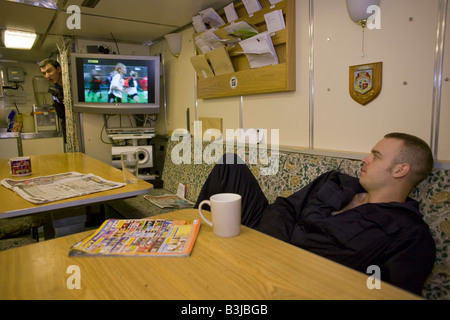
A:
(201, 214)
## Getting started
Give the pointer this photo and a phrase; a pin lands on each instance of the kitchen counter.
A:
(13, 144)
(29, 135)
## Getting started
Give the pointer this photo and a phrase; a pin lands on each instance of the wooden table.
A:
(249, 266)
(13, 205)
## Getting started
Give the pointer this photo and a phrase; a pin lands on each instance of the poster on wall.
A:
(365, 82)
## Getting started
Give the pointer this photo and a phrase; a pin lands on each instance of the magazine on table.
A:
(140, 237)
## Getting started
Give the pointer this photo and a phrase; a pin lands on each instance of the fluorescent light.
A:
(18, 39)
(51, 4)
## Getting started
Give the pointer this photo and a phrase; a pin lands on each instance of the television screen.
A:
(115, 84)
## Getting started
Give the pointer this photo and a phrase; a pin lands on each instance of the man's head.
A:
(399, 159)
(51, 69)
(416, 153)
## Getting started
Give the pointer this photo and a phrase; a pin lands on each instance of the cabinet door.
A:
(8, 148)
(43, 146)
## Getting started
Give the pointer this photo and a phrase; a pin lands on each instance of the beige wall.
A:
(405, 44)
(407, 52)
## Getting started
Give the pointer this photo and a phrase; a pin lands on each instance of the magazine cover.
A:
(140, 237)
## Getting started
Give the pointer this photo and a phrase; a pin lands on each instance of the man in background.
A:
(51, 69)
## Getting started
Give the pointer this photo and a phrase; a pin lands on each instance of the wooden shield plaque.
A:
(365, 82)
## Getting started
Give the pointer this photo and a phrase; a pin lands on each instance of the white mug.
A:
(226, 214)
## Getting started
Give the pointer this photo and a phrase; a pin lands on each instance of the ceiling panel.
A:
(175, 13)
(129, 21)
(24, 17)
(102, 27)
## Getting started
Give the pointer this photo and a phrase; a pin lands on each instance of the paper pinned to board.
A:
(211, 18)
(198, 24)
(274, 2)
(275, 21)
(241, 30)
(252, 6)
(230, 13)
(208, 41)
(259, 50)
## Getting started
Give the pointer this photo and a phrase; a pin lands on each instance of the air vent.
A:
(90, 3)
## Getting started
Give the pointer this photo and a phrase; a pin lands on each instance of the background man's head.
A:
(51, 69)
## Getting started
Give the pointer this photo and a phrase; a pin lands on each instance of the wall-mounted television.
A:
(115, 84)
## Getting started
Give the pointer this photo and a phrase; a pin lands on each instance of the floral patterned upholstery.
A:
(434, 197)
(296, 170)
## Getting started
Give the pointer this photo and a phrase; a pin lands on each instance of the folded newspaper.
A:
(169, 201)
(140, 237)
(59, 186)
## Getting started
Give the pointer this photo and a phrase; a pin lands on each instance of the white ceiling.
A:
(126, 21)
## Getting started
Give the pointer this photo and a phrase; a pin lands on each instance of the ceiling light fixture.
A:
(360, 11)
(174, 43)
(18, 39)
(50, 4)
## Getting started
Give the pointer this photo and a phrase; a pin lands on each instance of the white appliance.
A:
(144, 153)
(45, 118)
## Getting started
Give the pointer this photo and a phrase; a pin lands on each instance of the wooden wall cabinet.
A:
(268, 79)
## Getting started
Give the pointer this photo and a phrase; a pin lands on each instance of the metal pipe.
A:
(438, 67)
(311, 74)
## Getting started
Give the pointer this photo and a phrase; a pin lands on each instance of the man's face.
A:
(376, 171)
(52, 74)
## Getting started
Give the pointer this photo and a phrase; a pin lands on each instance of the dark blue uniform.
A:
(58, 97)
